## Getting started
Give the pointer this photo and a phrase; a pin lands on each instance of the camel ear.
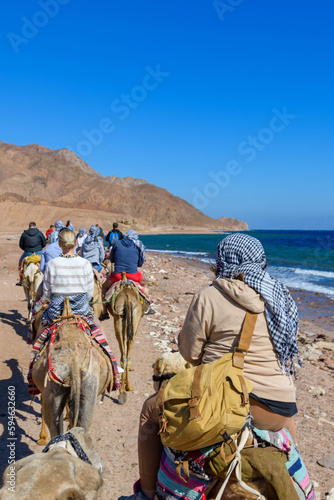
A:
(160, 366)
(188, 365)
(67, 311)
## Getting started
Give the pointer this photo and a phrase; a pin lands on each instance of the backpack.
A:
(206, 404)
(113, 237)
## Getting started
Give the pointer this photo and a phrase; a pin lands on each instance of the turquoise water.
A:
(301, 259)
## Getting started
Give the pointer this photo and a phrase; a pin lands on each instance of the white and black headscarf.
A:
(240, 253)
(133, 236)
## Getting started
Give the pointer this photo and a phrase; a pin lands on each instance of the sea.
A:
(300, 259)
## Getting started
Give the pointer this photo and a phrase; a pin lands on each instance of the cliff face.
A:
(37, 175)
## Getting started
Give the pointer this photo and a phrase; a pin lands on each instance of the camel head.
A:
(166, 366)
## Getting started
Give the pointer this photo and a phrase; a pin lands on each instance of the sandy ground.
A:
(172, 282)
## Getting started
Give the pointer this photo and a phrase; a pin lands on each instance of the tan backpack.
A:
(209, 403)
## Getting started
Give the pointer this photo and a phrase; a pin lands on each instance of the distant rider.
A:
(32, 241)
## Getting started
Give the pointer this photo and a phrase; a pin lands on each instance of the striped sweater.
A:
(68, 276)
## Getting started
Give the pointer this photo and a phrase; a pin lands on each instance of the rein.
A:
(74, 443)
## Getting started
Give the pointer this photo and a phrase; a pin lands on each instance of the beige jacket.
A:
(212, 328)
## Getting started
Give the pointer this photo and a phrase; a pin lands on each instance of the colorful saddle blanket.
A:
(170, 486)
(143, 292)
(49, 333)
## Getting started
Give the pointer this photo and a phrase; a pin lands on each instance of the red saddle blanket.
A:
(49, 333)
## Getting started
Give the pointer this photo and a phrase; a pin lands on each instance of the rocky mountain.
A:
(228, 223)
(37, 175)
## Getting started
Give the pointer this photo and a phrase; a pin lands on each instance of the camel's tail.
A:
(75, 390)
(129, 318)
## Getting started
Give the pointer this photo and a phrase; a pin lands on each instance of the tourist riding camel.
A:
(114, 235)
(212, 328)
(49, 231)
(68, 275)
(53, 250)
(127, 255)
(54, 235)
(69, 225)
(92, 248)
(81, 236)
(32, 241)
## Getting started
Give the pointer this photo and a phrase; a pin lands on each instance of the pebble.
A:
(316, 391)
(326, 461)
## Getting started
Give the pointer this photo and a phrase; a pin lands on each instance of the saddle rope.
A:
(236, 464)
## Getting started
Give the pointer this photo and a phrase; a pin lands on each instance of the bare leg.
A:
(149, 447)
(266, 419)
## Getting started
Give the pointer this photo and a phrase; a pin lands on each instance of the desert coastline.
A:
(172, 281)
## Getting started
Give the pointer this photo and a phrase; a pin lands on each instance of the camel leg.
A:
(89, 392)
(43, 435)
(119, 326)
(53, 404)
(137, 315)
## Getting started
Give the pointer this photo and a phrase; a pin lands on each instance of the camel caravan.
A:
(208, 431)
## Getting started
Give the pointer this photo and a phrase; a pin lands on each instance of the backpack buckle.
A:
(194, 409)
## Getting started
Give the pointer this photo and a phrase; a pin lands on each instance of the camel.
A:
(127, 308)
(83, 371)
(99, 278)
(58, 473)
(32, 278)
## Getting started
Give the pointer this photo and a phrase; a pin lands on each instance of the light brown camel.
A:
(85, 370)
(57, 474)
(32, 278)
(127, 308)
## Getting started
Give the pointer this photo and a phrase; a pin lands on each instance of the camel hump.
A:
(67, 311)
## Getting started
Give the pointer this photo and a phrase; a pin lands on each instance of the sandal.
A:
(104, 316)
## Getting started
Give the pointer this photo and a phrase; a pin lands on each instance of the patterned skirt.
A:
(78, 302)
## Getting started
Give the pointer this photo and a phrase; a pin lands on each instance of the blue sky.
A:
(227, 104)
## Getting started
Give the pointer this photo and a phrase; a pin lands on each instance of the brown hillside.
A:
(40, 176)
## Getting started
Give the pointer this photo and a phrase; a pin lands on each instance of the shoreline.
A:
(313, 307)
(172, 282)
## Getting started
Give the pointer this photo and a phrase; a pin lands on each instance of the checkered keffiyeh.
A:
(240, 253)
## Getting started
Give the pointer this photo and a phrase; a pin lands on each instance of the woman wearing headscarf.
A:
(212, 328)
(127, 255)
(81, 236)
(92, 248)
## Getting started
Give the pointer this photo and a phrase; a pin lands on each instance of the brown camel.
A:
(57, 474)
(32, 278)
(83, 371)
(99, 278)
(127, 308)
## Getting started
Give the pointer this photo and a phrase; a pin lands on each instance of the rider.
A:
(52, 250)
(114, 235)
(81, 236)
(127, 255)
(69, 225)
(68, 275)
(54, 235)
(92, 248)
(32, 241)
(211, 329)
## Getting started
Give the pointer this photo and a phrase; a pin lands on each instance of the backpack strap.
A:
(245, 339)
